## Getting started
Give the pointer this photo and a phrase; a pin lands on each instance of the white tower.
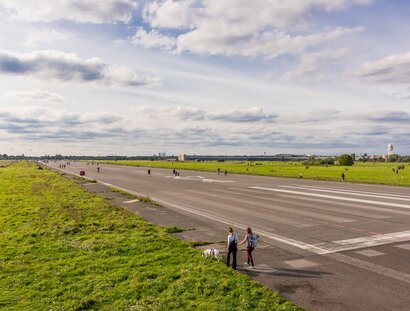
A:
(389, 149)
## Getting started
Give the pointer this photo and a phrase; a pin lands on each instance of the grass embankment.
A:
(378, 173)
(63, 248)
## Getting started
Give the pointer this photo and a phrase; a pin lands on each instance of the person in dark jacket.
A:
(232, 248)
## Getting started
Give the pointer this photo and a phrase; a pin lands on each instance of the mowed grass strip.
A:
(377, 173)
(63, 248)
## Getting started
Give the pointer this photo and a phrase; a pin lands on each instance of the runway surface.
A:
(349, 244)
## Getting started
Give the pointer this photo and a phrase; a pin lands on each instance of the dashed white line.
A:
(372, 195)
(332, 197)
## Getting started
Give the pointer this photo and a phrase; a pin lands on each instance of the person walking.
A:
(343, 176)
(232, 248)
(249, 247)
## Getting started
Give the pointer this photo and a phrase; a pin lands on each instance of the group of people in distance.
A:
(232, 247)
(343, 176)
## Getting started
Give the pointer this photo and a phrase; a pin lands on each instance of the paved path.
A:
(328, 245)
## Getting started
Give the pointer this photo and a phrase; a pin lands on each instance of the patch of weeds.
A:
(198, 243)
(123, 193)
(145, 199)
(174, 229)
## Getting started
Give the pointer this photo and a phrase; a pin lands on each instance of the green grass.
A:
(378, 173)
(63, 248)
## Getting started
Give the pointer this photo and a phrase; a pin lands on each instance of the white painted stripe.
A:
(217, 181)
(351, 193)
(131, 201)
(333, 197)
(374, 240)
(355, 191)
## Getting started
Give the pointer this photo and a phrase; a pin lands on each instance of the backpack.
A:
(233, 244)
(254, 240)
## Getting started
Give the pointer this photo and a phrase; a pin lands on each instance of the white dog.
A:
(211, 252)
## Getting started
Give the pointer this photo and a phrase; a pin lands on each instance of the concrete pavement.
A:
(327, 245)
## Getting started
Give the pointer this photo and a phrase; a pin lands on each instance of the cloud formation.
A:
(394, 69)
(315, 66)
(332, 130)
(84, 11)
(68, 67)
(36, 94)
(153, 39)
(248, 28)
(45, 36)
(41, 124)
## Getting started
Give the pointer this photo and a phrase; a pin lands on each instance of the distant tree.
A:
(345, 160)
(393, 158)
(327, 161)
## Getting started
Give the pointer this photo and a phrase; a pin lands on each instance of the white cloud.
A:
(170, 14)
(188, 114)
(331, 131)
(268, 44)
(45, 36)
(315, 66)
(252, 114)
(84, 11)
(394, 69)
(247, 28)
(36, 94)
(153, 39)
(68, 67)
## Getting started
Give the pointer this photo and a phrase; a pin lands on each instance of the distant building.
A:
(182, 157)
(161, 154)
(389, 150)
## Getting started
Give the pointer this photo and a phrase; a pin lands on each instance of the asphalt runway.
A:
(329, 245)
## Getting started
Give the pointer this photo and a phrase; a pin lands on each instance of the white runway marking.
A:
(131, 201)
(217, 181)
(374, 240)
(300, 263)
(404, 246)
(333, 197)
(355, 191)
(351, 193)
(370, 253)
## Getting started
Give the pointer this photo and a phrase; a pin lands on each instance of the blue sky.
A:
(204, 76)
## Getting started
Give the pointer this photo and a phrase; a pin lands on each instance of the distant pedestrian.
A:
(226, 172)
(219, 171)
(173, 172)
(249, 247)
(149, 172)
(98, 169)
(232, 248)
(343, 176)
(300, 175)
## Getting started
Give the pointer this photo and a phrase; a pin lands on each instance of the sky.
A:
(138, 77)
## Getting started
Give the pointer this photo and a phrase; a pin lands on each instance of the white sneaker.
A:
(245, 264)
(251, 267)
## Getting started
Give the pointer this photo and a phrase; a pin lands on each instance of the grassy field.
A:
(378, 173)
(63, 248)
